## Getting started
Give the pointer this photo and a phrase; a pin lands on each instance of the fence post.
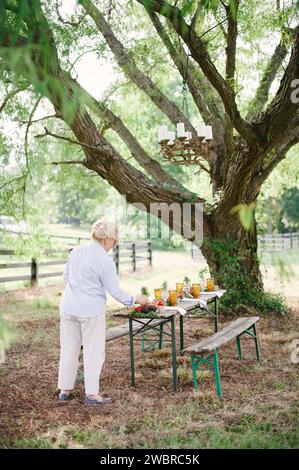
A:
(34, 272)
(291, 241)
(134, 256)
(150, 253)
(116, 257)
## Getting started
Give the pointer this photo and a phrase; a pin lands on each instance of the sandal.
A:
(94, 401)
(64, 397)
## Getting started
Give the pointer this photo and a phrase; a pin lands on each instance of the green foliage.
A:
(144, 291)
(280, 214)
(203, 273)
(290, 208)
(246, 215)
(242, 285)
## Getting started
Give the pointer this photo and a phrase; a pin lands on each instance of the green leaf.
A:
(246, 214)
(187, 7)
(210, 5)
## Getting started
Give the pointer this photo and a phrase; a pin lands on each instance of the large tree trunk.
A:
(232, 256)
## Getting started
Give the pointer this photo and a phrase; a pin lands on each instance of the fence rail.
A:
(278, 242)
(266, 243)
(125, 253)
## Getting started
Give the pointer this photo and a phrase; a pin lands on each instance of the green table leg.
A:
(132, 352)
(181, 334)
(174, 369)
(216, 314)
(257, 349)
(161, 336)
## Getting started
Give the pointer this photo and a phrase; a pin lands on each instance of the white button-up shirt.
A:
(89, 273)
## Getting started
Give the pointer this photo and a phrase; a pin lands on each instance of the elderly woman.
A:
(90, 272)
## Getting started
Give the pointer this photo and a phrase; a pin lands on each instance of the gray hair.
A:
(103, 228)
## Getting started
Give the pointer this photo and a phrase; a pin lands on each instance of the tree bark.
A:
(232, 255)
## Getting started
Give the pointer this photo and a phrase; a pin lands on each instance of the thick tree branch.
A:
(168, 107)
(201, 56)
(277, 120)
(230, 66)
(231, 45)
(262, 92)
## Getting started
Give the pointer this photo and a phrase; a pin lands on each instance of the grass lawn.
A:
(260, 402)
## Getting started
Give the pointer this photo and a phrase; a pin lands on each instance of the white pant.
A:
(75, 331)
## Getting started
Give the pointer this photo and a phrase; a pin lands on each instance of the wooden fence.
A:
(130, 252)
(278, 242)
(266, 243)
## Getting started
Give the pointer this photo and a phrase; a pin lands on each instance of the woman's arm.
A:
(111, 285)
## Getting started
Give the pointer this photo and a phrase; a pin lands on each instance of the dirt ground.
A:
(259, 407)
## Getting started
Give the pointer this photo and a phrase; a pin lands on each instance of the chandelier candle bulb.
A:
(209, 133)
(162, 133)
(201, 131)
(171, 137)
(180, 129)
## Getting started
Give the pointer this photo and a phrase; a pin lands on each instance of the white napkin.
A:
(180, 310)
(200, 302)
(218, 293)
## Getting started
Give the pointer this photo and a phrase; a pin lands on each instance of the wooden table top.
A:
(189, 305)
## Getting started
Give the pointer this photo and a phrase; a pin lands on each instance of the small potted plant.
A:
(203, 273)
(144, 291)
(164, 292)
(187, 284)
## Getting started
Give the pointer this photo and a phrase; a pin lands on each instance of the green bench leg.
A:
(239, 349)
(217, 374)
(254, 336)
(193, 365)
(197, 361)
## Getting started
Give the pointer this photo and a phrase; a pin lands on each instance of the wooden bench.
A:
(205, 352)
(122, 330)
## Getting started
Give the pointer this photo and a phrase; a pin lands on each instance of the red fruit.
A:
(138, 309)
(160, 303)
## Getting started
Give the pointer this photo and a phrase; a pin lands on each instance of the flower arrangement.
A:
(144, 311)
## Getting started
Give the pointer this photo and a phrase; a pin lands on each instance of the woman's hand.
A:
(141, 299)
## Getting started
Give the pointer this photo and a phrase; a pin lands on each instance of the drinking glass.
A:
(210, 284)
(173, 297)
(179, 287)
(157, 294)
(195, 290)
(164, 295)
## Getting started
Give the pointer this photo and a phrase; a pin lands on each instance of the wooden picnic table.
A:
(163, 318)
